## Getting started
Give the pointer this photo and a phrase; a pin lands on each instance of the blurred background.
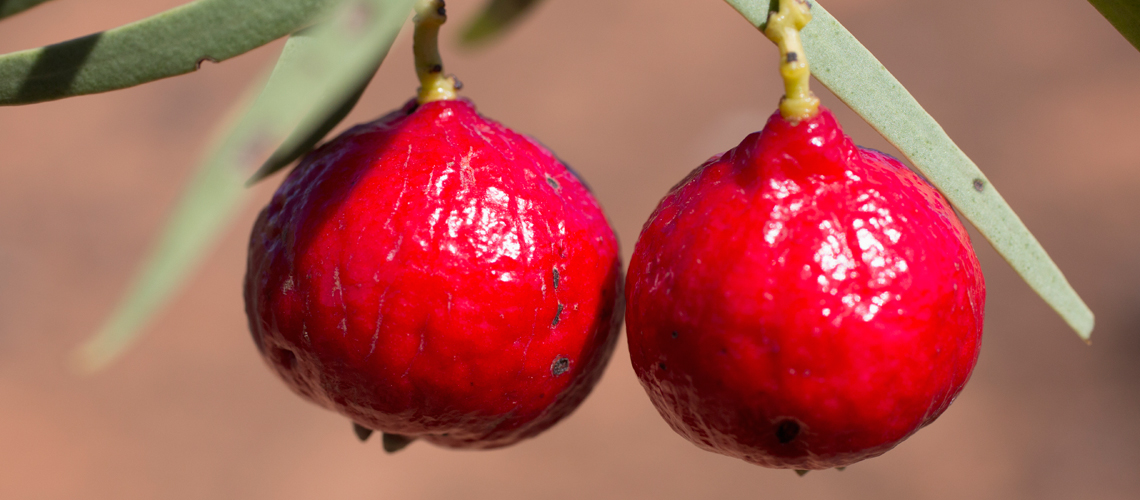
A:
(1043, 94)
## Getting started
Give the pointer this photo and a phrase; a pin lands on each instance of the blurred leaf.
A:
(849, 70)
(495, 17)
(321, 71)
(303, 139)
(324, 88)
(172, 43)
(1124, 16)
(12, 7)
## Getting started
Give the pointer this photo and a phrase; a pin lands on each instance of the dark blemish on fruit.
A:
(198, 65)
(541, 395)
(553, 183)
(793, 57)
(362, 432)
(674, 333)
(560, 365)
(285, 357)
(802, 472)
(557, 279)
(787, 431)
(723, 351)
(979, 185)
(437, 68)
(396, 442)
(557, 315)
(661, 365)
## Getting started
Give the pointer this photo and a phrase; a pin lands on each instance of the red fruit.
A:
(799, 302)
(434, 274)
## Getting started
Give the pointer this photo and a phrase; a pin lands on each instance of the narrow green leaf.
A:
(212, 198)
(12, 7)
(1124, 16)
(320, 70)
(333, 64)
(304, 138)
(849, 70)
(495, 17)
(172, 43)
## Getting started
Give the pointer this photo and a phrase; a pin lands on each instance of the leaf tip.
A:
(496, 17)
(1084, 326)
(93, 356)
(255, 178)
(478, 32)
(116, 335)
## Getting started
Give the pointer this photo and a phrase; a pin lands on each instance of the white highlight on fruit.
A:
(772, 229)
(833, 255)
(493, 239)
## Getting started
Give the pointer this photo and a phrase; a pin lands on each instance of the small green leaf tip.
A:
(802, 472)
(854, 75)
(306, 136)
(1124, 16)
(396, 442)
(13, 7)
(494, 19)
(362, 432)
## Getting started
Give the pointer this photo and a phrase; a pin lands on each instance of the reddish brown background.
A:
(1043, 94)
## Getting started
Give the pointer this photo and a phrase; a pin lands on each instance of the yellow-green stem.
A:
(784, 28)
(434, 85)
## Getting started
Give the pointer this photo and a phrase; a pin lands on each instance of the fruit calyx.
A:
(434, 85)
(783, 28)
(785, 149)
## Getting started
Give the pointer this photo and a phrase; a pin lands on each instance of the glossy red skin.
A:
(404, 276)
(800, 279)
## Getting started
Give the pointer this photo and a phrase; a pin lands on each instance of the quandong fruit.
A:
(798, 301)
(434, 275)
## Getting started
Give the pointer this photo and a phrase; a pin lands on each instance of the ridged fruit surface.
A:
(799, 302)
(436, 275)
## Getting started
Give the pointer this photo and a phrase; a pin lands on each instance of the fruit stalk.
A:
(784, 28)
(434, 85)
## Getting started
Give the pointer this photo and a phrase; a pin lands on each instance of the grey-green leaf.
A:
(211, 199)
(1124, 16)
(332, 64)
(849, 70)
(171, 43)
(496, 16)
(12, 7)
(320, 70)
(304, 139)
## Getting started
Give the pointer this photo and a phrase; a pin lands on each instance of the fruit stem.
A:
(784, 28)
(434, 85)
